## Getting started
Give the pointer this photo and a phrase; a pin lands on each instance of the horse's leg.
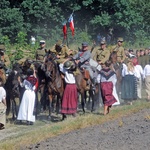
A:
(50, 106)
(83, 101)
(43, 98)
(58, 103)
(14, 109)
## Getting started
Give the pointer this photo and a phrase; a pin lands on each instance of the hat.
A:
(130, 50)
(2, 47)
(42, 42)
(103, 42)
(84, 44)
(120, 39)
(67, 64)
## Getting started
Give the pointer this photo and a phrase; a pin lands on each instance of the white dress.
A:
(27, 103)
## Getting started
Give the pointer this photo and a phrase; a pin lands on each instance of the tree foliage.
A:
(43, 18)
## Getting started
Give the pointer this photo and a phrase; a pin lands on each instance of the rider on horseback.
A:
(82, 59)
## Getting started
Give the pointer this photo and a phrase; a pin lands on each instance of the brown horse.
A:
(117, 68)
(55, 84)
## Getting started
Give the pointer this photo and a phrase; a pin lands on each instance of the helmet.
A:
(67, 65)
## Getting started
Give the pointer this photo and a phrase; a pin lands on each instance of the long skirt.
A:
(2, 114)
(27, 106)
(147, 84)
(69, 102)
(107, 93)
(129, 88)
(139, 88)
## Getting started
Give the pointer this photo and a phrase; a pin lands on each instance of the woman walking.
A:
(107, 79)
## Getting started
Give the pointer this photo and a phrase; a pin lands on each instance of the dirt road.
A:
(127, 133)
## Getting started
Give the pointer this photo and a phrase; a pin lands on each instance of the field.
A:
(17, 136)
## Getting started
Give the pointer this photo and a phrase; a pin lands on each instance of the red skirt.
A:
(70, 98)
(107, 90)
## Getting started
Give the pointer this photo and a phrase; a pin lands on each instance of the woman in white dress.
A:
(28, 100)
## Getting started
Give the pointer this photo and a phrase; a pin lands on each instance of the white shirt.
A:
(69, 77)
(139, 70)
(2, 94)
(146, 71)
(126, 72)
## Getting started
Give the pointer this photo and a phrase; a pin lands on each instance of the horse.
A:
(117, 68)
(13, 90)
(55, 84)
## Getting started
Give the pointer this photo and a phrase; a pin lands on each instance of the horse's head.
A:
(51, 67)
(113, 57)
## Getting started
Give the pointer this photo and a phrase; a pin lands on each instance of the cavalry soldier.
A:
(4, 63)
(120, 51)
(61, 51)
(41, 51)
(103, 53)
(82, 59)
(3, 57)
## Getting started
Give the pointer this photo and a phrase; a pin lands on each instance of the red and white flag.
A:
(65, 30)
(71, 24)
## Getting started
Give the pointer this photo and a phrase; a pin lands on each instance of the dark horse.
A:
(55, 83)
(13, 90)
(118, 69)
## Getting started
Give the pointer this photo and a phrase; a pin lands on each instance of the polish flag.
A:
(65, 30)
(71, 24)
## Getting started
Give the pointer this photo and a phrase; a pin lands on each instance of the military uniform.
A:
(40, 54)
(120, 53)
(62, 51)
(103, 55)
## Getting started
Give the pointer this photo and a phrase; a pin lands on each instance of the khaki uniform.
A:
(103, 55)
(40, 54)
(94, 53)
(120, 53)
(6, 60)
(63, 53)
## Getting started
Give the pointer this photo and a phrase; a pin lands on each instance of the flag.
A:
(71, 24)
(65, 29)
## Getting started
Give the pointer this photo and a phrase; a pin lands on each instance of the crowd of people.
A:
(133, 66)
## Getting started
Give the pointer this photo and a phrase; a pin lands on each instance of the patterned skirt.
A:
(69, 102)
(129, 88)
(107, 96)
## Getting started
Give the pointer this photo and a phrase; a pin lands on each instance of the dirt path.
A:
(127, 133)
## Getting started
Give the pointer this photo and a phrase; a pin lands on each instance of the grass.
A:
(28, 135)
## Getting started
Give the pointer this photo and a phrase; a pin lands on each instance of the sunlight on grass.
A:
(41, 131)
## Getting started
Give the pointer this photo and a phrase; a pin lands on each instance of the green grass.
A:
(41, 131)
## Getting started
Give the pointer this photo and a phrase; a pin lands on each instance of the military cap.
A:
(42, 42)
(120, 39)
(84, 44)
(2, 47)
(103, 42)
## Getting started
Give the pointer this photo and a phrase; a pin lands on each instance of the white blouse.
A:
(146, 71)
(125, 71)
(69, 77)
(2, 94)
